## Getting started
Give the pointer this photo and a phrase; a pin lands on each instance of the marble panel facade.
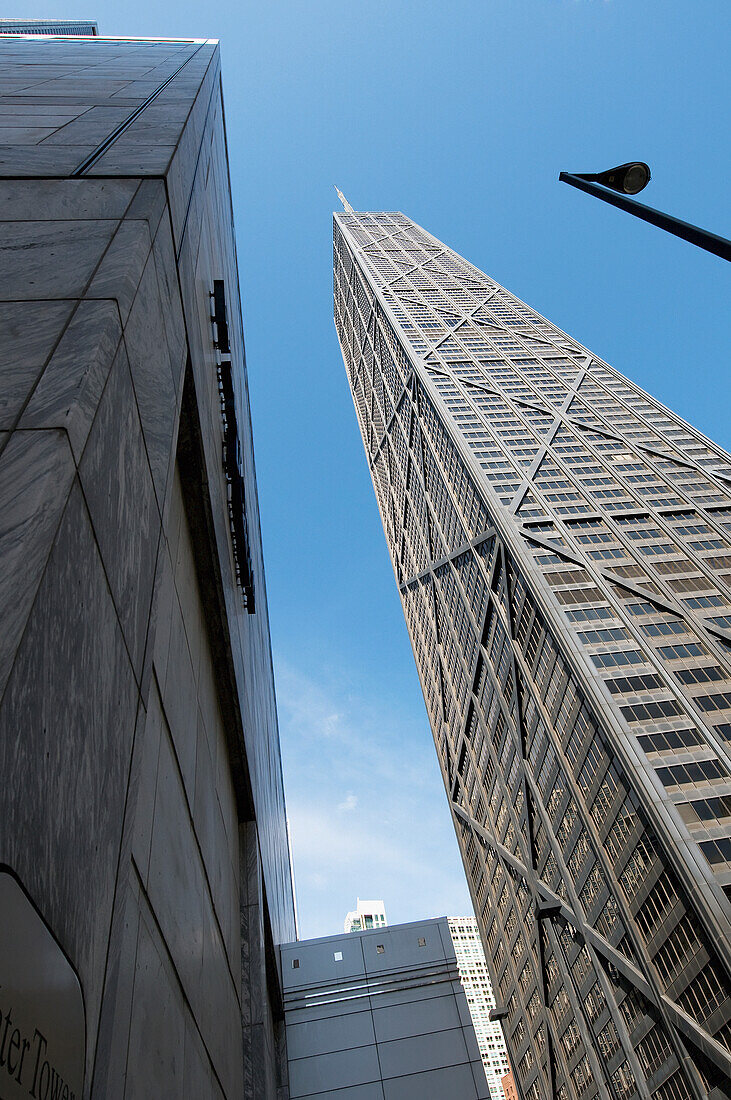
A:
(143, 804)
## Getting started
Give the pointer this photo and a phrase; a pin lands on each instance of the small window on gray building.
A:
(380, 948)
(338, 956)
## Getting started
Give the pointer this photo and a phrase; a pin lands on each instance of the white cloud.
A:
(321, 838)
(344, 751)
(350, 734)
(305, 704)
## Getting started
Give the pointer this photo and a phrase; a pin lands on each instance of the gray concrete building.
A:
(562, 547)
(379, 1014)
(143, 843)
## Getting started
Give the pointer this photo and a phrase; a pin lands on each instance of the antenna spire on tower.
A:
(346, 205)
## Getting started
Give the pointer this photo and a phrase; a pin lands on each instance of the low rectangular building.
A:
(379, 1014)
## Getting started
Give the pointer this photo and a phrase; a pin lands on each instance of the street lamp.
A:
(627, 179)
(616, 184)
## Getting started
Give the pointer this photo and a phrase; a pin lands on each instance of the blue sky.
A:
(461, 115)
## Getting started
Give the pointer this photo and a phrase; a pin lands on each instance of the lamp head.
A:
(628, 179)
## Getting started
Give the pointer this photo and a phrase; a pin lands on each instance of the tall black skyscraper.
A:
(562, 548)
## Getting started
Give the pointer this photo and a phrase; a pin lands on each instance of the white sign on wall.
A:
(42, 1026)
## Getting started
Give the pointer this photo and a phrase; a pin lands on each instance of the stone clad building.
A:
(141, 807)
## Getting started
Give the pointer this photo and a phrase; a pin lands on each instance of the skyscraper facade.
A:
(562, 547)
(475, 978)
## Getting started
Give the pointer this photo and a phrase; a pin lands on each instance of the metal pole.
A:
(701, 237)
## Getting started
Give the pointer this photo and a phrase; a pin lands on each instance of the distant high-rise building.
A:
(562, 547)
(62, 27)
(367, 914)
(481, 1000)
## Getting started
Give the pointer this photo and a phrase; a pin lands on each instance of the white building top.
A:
(367, 914)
